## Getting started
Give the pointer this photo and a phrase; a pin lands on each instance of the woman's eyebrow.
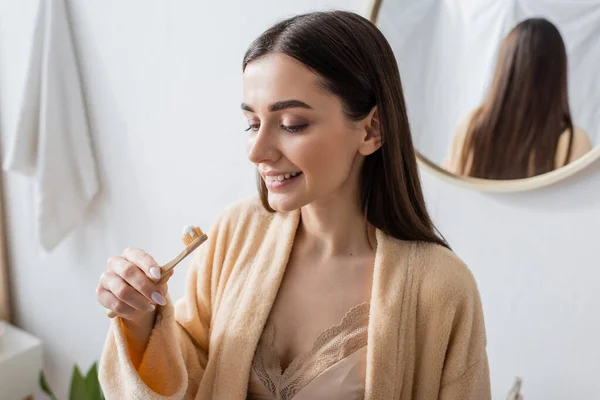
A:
(281, 105)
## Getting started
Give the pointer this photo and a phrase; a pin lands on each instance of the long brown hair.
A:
(515, 132)
(357, 64)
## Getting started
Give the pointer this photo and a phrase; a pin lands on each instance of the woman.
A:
(335, 276)
(524, 127)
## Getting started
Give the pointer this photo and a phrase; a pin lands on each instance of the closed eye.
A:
(294, 128)
(288, 128)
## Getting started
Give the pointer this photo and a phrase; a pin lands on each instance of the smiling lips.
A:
(281, 177)
(276, 180)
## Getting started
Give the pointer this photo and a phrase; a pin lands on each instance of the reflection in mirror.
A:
(524, 126)
(498, 90)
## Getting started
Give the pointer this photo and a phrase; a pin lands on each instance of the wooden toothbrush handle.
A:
(164, 270)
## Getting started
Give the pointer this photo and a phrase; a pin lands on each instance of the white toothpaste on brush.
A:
(190, 233)
(188, 230)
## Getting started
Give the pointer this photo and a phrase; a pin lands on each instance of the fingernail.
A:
(157, 297)
(155, 272)
(151, 307)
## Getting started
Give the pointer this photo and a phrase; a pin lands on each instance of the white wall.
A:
(163, 81)
(536, 261)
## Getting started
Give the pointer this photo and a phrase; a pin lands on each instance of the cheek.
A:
(326, 158)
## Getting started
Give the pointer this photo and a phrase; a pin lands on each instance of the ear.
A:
(370, 140)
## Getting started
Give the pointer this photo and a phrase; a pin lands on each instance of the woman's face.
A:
(303, 145)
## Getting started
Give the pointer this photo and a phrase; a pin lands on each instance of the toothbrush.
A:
(192, 237)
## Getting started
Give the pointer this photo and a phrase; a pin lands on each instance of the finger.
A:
(166, 278)
(144, 261)
(111, 302)
(163, 286)
(136, 278)
(125, 292)
(116, 262)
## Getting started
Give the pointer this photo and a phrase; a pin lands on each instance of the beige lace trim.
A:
(331, 346)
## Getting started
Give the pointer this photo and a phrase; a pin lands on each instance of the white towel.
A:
(52, 143)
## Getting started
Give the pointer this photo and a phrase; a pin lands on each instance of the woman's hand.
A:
(131, 288)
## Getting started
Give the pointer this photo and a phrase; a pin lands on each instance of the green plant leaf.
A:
(77, 385)
(45, 387)
(86, 388)
(92, 384)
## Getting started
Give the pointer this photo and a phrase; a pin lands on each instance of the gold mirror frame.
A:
(488, 185)
(5, 310)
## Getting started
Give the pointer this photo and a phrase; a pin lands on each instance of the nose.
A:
(262, 146)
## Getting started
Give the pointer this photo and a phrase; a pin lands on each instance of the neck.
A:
(335, 227)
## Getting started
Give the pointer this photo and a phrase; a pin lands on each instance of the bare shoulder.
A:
(581, 139)
(454, 155)
(444, 279)
(580, 136)
(462, 127)
(581, 145)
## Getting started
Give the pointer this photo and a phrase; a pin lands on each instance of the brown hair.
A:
(357, 64)
(515, 132)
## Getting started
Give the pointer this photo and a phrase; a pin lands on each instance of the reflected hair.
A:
(356, 63)
(515, 132)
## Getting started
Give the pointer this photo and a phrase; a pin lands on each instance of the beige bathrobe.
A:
(426, 335)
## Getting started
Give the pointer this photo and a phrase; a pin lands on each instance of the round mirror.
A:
(501, 95)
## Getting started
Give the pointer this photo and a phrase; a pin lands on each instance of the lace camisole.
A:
(334, 369)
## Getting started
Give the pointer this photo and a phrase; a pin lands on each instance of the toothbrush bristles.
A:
(191, 235)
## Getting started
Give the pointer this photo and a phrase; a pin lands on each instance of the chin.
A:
(283, 203)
